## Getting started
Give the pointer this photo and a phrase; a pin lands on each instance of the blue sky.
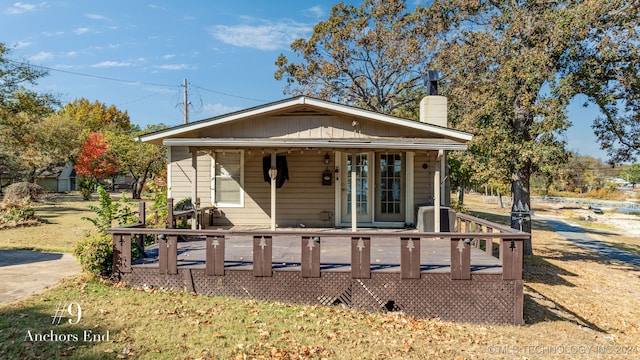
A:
(135, 54)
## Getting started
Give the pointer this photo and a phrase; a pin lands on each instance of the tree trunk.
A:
(521, 207)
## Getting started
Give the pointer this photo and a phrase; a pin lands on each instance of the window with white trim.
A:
(228, 179)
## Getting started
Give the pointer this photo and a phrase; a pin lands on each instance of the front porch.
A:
(473, 274)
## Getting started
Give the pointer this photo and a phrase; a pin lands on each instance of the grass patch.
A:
(148, 324)
(63, 228)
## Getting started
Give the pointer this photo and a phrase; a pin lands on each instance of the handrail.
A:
(210, 232)
(502, 228)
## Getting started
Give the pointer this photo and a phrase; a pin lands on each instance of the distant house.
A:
(61, 178)
(56, 178)
(332, 165)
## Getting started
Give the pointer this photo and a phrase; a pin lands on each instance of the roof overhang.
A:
(275, 107)
(386, 143)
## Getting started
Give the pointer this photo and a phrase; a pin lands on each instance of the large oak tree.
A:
(508, 67)
(375, 56)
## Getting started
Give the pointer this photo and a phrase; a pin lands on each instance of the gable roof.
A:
(300, 101)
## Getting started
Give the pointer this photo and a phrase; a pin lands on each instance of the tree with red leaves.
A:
(96, 161)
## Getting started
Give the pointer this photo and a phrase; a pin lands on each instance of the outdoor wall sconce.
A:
(327, 158)
(337, 171)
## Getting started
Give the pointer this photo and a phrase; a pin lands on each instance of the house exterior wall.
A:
(299, 201)
(423, 178)
(50, 184)
(182, 175)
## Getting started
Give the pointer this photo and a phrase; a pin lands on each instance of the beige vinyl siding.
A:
(304, 127)
(423, 185)
(182, 175)
(299, 200)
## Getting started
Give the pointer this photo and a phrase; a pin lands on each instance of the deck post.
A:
(512, 258)
(410, 258)
(170, 219)
(215, 255)
(360, 257)
(122, 253)
(488, 247)
(142, 213)
(142, 216)
(172, 255)
(262, 256)
(460, 259)
(168, 254)
(310, 256)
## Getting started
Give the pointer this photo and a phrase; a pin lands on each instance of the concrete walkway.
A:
(24, 272)
(580, 237)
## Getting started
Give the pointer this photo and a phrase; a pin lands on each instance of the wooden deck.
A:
(471, 275)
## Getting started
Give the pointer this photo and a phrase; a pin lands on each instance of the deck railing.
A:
(469, 232)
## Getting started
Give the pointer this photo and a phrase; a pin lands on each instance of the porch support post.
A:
(354, 184)
(436, 193)
(273, 173)
(194, 186)
(410, 217)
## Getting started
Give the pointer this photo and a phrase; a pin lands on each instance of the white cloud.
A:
(49, 34)
(19, 8)
(21, 44)
(72, 53)
(175, 67)
(105, 64)
(96, 17)
(220, 109)
(41, 56)
(168, 56)
(80, 31)
(315, 12)
(268, 36)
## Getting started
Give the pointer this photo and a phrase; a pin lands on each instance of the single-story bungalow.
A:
(304, 162)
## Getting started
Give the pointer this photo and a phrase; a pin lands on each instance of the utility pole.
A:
(186, 103)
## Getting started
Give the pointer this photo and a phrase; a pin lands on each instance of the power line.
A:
(91, 76)
(230, 95)
(134, 82)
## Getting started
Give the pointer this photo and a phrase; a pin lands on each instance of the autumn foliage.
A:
(95, 160)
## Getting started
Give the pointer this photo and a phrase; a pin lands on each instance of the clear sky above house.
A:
(136, 54)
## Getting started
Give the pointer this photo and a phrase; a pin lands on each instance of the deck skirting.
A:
(485, 298)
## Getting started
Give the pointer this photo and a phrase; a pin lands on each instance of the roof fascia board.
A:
(343, 144)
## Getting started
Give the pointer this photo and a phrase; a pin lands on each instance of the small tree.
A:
(96, 161)
(95, 253)
(631, 174)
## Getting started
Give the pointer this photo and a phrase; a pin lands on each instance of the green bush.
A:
(95, 255)
(86, 187)
(23, 192)
(15, 212)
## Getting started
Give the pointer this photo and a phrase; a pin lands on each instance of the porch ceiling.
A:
(369, 143)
